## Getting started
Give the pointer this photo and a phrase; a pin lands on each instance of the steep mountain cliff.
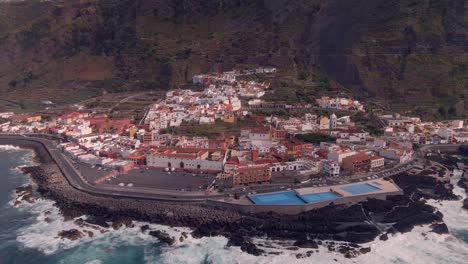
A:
(403, 54)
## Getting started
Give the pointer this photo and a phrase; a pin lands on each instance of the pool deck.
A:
(384, 188)
(362, 193)
(382, 185)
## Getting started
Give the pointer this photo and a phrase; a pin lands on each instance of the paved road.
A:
(79, 182)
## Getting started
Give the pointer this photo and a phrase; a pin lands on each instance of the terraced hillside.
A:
(408, 55)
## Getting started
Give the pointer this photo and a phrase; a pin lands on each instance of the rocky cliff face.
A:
(395, 51)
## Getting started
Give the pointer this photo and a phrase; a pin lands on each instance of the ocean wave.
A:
(43, 233)
(420, 246)
(417, 247)
(94, 261)
(9, 147)
(29, 159)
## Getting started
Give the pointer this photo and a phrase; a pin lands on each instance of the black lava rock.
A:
(440, 228)
(163, 237)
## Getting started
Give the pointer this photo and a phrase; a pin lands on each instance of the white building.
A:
(186, 159)
(207, 120)
(456, 124)
(445, 133)
(333, 119)
(376, 162)
(331, 168)
(461, 137)
(338, 156)
(400, 155)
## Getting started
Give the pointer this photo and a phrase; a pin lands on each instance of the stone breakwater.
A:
(348, 225)
(452, 163)
(463, 183)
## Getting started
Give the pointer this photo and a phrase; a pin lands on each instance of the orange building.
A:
(137, 159)
(357, 163)
(25, 118)
(251, 174)
(229, 118)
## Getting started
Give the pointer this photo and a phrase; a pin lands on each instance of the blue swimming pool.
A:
(276, 198)
(318, 197)
(360, 188)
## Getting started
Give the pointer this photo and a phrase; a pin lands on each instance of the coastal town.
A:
(233, 132)
(267, 153)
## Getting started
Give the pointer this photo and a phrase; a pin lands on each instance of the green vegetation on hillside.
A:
(315, 138)
(369, 122)
(217, 129)
(403, 54)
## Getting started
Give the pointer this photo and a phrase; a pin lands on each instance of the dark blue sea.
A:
(29, 235)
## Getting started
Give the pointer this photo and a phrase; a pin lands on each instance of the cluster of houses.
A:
(339, 103)
(412, 129)
(342, 128)
(220, 100)
(257, 154)
(230, 76)
(94, 139)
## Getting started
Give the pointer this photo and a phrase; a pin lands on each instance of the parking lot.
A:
(287, 177)
(154, 178)
(90, 173)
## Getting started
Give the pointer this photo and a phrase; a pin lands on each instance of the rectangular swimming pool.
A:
(318, 197)
(360, 188)
(276, 198)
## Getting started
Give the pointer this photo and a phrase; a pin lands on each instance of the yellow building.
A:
(132, 131)
(324, 122)
(229, 118)
(25, 118)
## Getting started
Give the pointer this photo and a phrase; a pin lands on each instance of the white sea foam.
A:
(95, 261)
(419, 246)
(8, 147)
(44, 237)
(24, 156)
(410, 247)
(29, 158)
(455, 216)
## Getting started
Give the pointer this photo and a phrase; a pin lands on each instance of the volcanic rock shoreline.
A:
(349, 226)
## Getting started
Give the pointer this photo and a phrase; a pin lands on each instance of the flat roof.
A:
(347, 190)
